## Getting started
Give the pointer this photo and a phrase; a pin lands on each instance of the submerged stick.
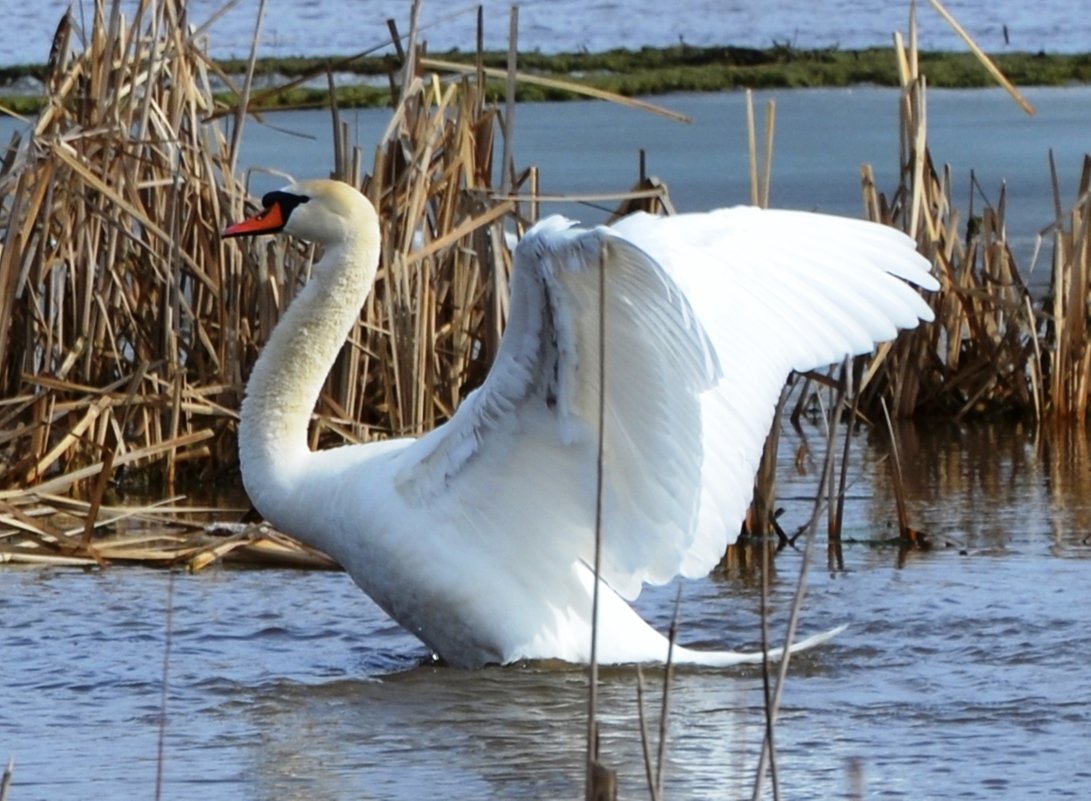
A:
(649, 773)
(896, 478)
(664, 711)
(5, 781)
(835, 558)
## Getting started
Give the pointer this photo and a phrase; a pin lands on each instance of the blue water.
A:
(317, 27)
(822, 139)
(963, 673)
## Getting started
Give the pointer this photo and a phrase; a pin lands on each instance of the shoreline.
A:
(362, 81)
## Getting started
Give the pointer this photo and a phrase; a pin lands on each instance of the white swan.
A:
(478, 536)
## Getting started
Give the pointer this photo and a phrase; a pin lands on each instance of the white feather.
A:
(478, 537)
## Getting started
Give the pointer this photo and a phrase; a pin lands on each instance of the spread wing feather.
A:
(704, 316)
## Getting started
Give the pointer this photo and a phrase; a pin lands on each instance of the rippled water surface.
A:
(963, 673)
(343, 27)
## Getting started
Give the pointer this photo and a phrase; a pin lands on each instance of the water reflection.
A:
(963, 672)
(979, 486)
(497, 733)
(992, 485)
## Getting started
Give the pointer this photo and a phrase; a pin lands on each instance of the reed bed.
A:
(127, 327)
(119, 305)
(995, 350)
(119, 355)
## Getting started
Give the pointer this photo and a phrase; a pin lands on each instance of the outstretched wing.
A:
(777, 291)
(700, 321)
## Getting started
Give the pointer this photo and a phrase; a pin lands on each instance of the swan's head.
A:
(322, 211)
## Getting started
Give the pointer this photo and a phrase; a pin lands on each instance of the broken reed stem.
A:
(986, 62)
(554, 83)
(767, 757)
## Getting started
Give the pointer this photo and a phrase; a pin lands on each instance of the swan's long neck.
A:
(288, 376)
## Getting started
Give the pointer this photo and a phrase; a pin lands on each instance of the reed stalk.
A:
(127, 328)
(5, 779)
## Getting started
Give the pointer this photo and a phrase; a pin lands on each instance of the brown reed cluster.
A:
(119, 313)
(994, 350)
(127, 327)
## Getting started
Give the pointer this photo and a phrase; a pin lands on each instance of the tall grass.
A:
(127, 328)
(994, 350)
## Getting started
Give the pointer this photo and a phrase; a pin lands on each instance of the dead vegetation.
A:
(127, 327)
(994, 350)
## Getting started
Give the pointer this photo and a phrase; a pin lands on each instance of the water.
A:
(822, 138)
(962, 675)
(342, 27)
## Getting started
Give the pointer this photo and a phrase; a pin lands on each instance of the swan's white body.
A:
(478, 537)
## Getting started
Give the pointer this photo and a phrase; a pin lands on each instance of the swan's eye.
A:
(286, 200)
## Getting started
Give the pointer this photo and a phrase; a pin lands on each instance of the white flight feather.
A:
(477, 537)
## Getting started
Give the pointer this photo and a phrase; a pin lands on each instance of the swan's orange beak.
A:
(267, 221)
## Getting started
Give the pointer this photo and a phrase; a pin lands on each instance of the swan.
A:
(478, 537)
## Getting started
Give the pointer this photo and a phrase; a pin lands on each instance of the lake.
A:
(963, 673)
(344, 27)
(822, 137)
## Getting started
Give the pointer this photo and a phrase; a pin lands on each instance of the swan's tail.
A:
(688, 656)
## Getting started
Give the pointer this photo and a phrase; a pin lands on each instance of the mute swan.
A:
(478, 537)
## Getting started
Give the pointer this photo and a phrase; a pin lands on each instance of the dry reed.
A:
(127, 327)
(114, 291)
(994, 349)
